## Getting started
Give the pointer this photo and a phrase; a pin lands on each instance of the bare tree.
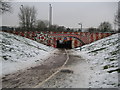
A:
(92, 29)
(5, 6)
(105, 27)
(117, 18)
(42, 25)
(27, 17)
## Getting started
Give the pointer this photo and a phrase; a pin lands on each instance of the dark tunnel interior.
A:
(66, 44)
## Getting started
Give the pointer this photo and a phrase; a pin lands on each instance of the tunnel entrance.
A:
(66, 44)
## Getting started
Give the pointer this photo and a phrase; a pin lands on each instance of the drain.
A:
(66, 71)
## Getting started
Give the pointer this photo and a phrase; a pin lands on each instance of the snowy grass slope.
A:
(19, 52)
(103, 56)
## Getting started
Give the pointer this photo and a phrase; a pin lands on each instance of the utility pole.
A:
(50, 15)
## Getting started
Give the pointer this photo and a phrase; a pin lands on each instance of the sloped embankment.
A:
(19, 53)
(103, 55)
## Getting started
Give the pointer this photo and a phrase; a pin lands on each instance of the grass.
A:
(110, 59)
(114, 52)
(106, 67)
(5, 57)
(100, 49)
(118, 70)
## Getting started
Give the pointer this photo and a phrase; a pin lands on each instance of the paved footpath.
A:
(34, 75)
(77, 77)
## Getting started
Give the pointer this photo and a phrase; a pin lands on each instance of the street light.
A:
(80, 25)
(22, 6)
(81, 31)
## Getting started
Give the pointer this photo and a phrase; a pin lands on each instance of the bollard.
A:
(80, 48)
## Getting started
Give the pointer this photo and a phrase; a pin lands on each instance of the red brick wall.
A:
(52, 38)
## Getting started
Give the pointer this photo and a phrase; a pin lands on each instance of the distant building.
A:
(6, 28)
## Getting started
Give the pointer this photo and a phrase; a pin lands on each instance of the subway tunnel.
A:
(66, 44)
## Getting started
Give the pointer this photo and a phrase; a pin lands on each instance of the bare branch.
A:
(27, 17)
(5, 7)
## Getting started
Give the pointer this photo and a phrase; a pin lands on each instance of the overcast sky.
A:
(67, 14)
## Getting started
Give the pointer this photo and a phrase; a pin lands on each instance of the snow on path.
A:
(99, 70)
(18, 53)
(96, 66)
(78, 79)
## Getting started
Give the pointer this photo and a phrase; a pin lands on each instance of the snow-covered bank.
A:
(19, 53)
(103, 56)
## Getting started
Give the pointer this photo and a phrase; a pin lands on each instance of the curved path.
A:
(75, 74)
(58, 70)
(34, 76)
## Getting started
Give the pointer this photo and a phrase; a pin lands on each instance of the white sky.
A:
(67, 13)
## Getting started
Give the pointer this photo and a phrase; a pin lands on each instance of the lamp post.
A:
(80, 25)
(22, 6)
(81, 31)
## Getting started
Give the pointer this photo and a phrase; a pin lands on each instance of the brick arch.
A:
(82, 39)
(77, 39)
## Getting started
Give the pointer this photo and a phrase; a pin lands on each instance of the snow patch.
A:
(102, 55)
(19, 53)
